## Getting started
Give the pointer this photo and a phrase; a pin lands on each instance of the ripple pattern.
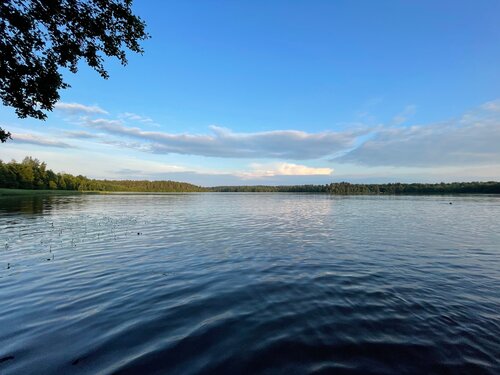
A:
(218, 283)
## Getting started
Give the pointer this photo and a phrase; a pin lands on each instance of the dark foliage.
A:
(38, 37)
(4, 135)
(345, 188)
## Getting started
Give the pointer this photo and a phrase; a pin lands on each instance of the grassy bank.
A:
(4, 192)
(17, 192)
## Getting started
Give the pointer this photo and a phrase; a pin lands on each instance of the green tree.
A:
(50, 179)
(39, 37)
(25, 175)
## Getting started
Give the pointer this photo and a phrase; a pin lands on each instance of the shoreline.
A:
(7, 192)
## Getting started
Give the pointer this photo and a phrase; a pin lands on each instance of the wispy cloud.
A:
(469, 142)
(473, 139)
(494, 106)
(135, 117)
(404, 115)
(77, 108)
(38, 140)
(222, 142)
(81, 135)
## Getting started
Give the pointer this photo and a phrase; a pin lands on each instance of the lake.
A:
(236, 283)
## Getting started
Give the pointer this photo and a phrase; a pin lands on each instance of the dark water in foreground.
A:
(249, 283)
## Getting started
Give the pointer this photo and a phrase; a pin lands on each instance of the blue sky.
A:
(285, 92)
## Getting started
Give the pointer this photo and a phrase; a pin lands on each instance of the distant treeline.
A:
(345, 188)
(33, 174)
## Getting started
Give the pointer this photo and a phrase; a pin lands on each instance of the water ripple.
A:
(249, 283)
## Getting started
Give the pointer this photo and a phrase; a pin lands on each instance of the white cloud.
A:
(222, 142)
(81, 135)
(38, 140)
(493, 106)
(404, 115)
(473, 139)
(469, 142)
(77, 108)
(134, 117)
(283, 169)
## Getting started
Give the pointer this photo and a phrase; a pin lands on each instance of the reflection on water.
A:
(25, 205)
(249, 283)
(39, 204)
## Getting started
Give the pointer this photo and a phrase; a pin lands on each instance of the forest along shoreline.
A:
(32, 177)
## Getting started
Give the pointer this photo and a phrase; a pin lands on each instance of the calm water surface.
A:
(249, 283)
